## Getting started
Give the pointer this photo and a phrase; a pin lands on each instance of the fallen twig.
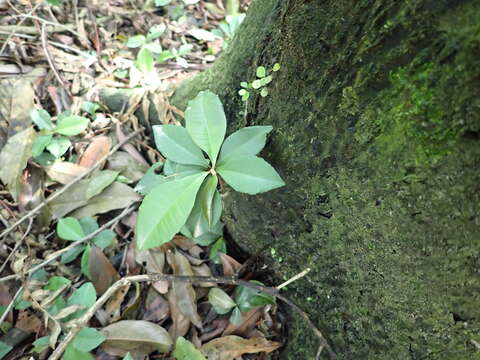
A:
(83, 321)
(69, 185)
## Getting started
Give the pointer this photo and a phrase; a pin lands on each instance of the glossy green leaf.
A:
(100, 181)
(206, 123)
(218, 247)
(246, 141)
(40, 344)
(90, 107)
(205, 197)
(264, 92)
(58, 146)
(42, 119)
(104, 238)
(176, 171)
(185, 350)
(171, 203)
(71, 125)
(197, 227)
(136, 41)
(85, 263)
(88, 339)
(70, 229)
(248, 298)
(72, 254)
(236, 316)
(150, 180)
(89, 224)
(56, 282)
(71, 353)
(156, 31)
(276, 67)
(257, 84)
(249, 174)
(145, 62)
(175, 143)
(221, 302)
(85, 295)
(261, 71)
(262, 299)
(40, 143)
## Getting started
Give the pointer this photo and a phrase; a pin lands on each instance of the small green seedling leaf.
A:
(4, 349)
(104, 238)
(257, 84)
(175, 143)
(89, 224)
(244, 84)
(205, 197)
(165, 55)
(264, 92)
(150, 180)
(85, 263)
(218, 246)
(185, 350)
(71, 353)
(171, 203)
(70, 229)
(206, 123)
(71, 125)
(276, 67)
(128, 356)
(88, 339)
(221, 302)
(40, 143)
(236, 316)
(136, 41)
(249, 174)
(72, 254)
(155, 32)
(162, 2)
(90, 107)
(85, 295)
(56, 282)
(246, 141)
(40, 344)
(58, 146)
(261, 71)
(245, 96)
(145, 62)
(42, 119)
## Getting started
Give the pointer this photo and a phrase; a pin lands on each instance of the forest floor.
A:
(71, 278)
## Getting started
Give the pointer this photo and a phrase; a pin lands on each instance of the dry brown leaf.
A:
(203, 270)
(154, 262)
(249, 321)
(230, 265)
(156, 307)
(101, 270)
(129, 148)
(5, 299)
(16, 103)
(65, 172)
(127, 165)
(180, 323)
(31, 188)
(98, 148)
(229, 347)
(182, 242)
(112, 308)
(219, 326)
(184, 292)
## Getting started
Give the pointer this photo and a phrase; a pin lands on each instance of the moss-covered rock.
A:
(376, 133)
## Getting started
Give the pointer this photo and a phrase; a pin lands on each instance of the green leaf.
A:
(136, 41)
(104, 238)
(218, 247)
(205, 197)
(264, 92)
(185, 350)
(276, 67)
(221, 302)
(262, 299)
(236, 316)
(248, 298)
(165, 55)
(257, 84)
(246, 141)
(261, 71)
(4, 349)
(155, 32)
(42, 119)
(245, 96)
(90, 107)
(41, 344)
(206, 123)
(58, 146)
(70, 229)
(175, 143)
(249, 174)
(89, 224)
(71, 125)
(176, 171)
(85, 263)
(85, 295)
(244, 84)
(150, 180)
(88, 339)
(71, 254)
(54, 2)
(45, 159)
(100, 181)
(56, 282)
(40, 143)
(267, 80)
(190, 2)
(145, 62)
(171, 203)
(73, 354)
(128, 356)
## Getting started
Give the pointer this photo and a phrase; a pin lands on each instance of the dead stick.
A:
(83, 321)
(69, 185)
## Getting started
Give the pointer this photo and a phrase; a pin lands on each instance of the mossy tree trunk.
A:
(376, 133)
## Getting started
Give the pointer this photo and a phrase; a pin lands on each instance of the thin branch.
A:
(294, 278)
(65, 27)
(83, 321)
(69, 185)
(59, 253)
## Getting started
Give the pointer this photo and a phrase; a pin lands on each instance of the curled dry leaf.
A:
(112, 308)
(5, 299)
(31, 188)
(180, 323)
(16, 103)
(101, 270)
(64, 172)
(154, 262)
(230, 265)
(230, 347)
(249, 321)
(203, 270)
(184, 292)
(27, 321)
(137, 336)
(98, 148)
(156, 307)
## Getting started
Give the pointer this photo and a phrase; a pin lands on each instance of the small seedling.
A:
(185, 198)
(149, 46)
(259, 84)
(227, 29)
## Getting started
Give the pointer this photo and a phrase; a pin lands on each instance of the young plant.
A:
(186, 197)
(227, 29)
(259, 84)
(148, 47)
(246, 299)
(50, 135)
(176, 54)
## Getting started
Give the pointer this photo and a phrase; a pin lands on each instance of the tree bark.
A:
(376, 132)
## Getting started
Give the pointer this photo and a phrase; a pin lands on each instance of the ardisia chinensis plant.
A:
(185, 198)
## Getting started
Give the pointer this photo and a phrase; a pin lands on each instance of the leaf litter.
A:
(43, 157)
